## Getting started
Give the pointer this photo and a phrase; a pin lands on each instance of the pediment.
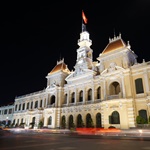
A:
(112, 68)
(80, 74)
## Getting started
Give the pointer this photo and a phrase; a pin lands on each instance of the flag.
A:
(84, 17)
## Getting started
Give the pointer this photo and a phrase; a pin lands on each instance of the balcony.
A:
(97, 100)
(72, 104)
(113, 97)
(80, 103)
(51, 106)
(89, 102)
(64, 105)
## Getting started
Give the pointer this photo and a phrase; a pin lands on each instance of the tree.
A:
(40, 125)
(140, 120)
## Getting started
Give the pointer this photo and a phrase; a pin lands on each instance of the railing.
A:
(97, 100)
(51, 106)
(38, 92)
(72, 104)
(64, 105)
(89, 102)
(113, 97)
(80, 103)
(84, 40)
(110, 97)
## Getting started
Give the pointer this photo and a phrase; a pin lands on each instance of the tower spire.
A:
(114, 33)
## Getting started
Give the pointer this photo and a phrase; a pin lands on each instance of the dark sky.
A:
(34, 36)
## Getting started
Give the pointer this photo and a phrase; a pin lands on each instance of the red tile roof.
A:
(114, 45)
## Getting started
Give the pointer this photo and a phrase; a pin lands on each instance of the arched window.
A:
(41, 103)
(71, 124)
(98, 120)
(31, 105)
(16, 107)
(139, 86)
(65, 102)
(81, 96)
(52, 99)
(73, 97)
(89, 121)
(19, 106)
(50, 120)
(114, 118)
(89, 94)
(28, 105)
(36, 104)
(98, 93)
(33, 120)
(143, 114)
(23, 107)
(114, 88)
(63, 122)
(79, 121)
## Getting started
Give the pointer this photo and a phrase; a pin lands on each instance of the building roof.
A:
(114, 44)
(61, 66)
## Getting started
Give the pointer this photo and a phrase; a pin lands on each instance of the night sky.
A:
(34, 36)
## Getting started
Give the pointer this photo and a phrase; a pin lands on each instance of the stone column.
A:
(47, 97)
(146, 81)
(84, 94)
(93, 91)
(104, 93)
(123, 86)
(68, 96)
(75, 95)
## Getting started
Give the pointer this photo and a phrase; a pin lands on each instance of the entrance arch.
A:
(71, 124)
(98, 120)
(114, 118)
(79, 121)
(89, 121)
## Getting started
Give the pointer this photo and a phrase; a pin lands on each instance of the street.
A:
(43, 141)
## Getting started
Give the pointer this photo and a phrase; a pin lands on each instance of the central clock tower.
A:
(84, 52)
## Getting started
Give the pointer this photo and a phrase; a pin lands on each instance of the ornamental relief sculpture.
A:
(112, 67)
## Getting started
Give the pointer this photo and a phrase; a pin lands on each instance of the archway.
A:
(71, 124)
(89, 121)
(52, 99)
(114, 88)
(63, 122)
(79, 121)
(114, 118)
(98, 120)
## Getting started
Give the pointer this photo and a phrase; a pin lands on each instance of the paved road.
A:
(44, 141)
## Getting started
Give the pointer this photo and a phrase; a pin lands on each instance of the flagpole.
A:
(82, 22)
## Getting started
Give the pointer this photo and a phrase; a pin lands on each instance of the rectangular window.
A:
(5, 111)
(10, 111)
(139, 86)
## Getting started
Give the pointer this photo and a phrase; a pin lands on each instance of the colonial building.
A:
(111, 91)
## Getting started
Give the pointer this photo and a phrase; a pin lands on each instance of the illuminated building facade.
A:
(111, 91)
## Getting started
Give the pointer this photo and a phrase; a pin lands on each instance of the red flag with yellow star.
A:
(84, 17)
